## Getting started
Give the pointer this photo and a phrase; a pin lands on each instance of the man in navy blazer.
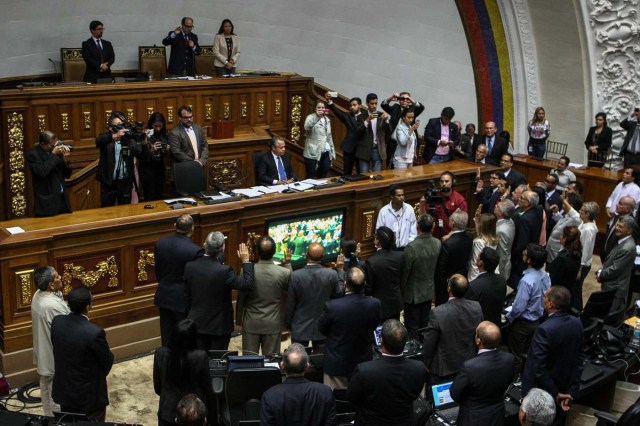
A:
(482, 381)
(171, 254)
(383, 390)
(554, 361)
(98, 54)
(354, 121)
(348, 323)
(267, 170)
(184, 48)
(496, 145)
(439, 147)
(82, 359)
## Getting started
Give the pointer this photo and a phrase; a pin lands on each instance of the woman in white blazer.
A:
(226, 49)
(319, 151)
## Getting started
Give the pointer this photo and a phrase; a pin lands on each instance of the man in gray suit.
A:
(618, 266)
(188, 141)
(261, 314)
(506, 232)
(449, 338)
(417, 282)
(310, 288)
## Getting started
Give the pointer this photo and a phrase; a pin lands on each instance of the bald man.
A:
(496, 145)
(310, 288)
(482, 381)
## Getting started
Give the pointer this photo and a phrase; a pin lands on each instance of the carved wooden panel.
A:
(100, 272)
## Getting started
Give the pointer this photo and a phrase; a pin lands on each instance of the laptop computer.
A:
(443, 405)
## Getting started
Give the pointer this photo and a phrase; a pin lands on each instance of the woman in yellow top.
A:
(226, 49)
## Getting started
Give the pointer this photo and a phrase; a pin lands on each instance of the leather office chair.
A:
(189, 178)
(345, 411)
(256, 156)
(73, 66)
(595, 313)
(243, 390)
(204, 61)
(631, 417)
(153, 59)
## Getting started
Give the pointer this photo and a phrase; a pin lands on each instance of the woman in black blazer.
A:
(565, 267)
(178, 370)
(598, 141)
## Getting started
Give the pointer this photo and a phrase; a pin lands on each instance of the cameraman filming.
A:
(50, 164)
(118, 146)
(441, 202)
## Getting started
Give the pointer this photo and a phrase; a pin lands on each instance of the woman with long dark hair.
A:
(226, 49)
(151, 165)
(598, 141)
(179, 369)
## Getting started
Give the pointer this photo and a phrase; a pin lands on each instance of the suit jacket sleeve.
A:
(101, 350)
(244, 281)
(262, 170)
(291, 305)
(355, 391)
(324, 321)
(42, 167)
(432, 134)
(431, 337)
(538, 357)
(91, 60)
(460, 384)
(176, 149)
(202, 141)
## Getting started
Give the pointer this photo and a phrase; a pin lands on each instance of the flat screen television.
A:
(297, 232)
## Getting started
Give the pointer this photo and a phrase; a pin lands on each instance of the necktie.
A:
(281, 173)
(490, 145)
(194, 142)
(99, 45)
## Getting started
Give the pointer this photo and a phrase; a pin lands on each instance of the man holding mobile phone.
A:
(630, 150)
(372, 148)
(354, 121)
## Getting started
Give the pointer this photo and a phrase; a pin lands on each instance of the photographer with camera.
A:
(50, 164)
(440, 202)
(118, 147)
(151, 163)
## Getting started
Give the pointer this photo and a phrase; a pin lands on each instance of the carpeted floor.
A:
(130, 383)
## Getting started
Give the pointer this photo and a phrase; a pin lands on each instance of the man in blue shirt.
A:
(528, 306)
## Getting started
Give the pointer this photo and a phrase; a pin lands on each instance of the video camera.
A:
(68, 146)
(135, 132)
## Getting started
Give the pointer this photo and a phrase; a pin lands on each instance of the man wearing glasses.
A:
(184, 47)
(97, 53)
(403, 100)
(188, 141)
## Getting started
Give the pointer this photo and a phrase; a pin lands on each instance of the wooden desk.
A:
(111, 251)
(598, 183)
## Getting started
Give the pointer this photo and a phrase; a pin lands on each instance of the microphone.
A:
(55, 69)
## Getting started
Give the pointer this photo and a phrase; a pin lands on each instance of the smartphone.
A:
(332, 94)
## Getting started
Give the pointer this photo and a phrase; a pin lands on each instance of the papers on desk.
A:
(314, 182)
(248, 192)
(575, 165)
(184, 200)
(257, 191)
(15, 230)
(266, 189)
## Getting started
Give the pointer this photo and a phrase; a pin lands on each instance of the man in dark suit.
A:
(465, 148)
(624, 207)
(630, 149)
(554, 362)
(448, 340)
(208, 284)
(384, 390)
(297, 401)
(184, 48)
(188, 141)
(171, 254)
(384, 272)
(354, 121)
(454, 255)
(440, 135)
(496, 146)
(528, 228)
(372, 147)
(50, 164)
(98, 54)
(274, 167)
(310, 288)
(488, 197)
(513, 177)
(483, 380)
(618, 266)
(348, 322)
(82, 359)
(115, 167)
(553, 197)
(489, 288)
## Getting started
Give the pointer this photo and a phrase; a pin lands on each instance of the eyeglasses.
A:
(189, 26)
(184, 117)
(403, 98)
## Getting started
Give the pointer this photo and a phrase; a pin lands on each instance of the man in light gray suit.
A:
(261, 313)
(188, 141)
(618, 266)
(310, 288)
(506, 232)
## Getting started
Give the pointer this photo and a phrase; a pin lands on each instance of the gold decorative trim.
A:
(152, 52)
(367, 219)
(72, 54)
(15, 137)
(225, 171)
(296, 116)
(149, 112)
(243, 109)
(416, 209)
(278, 107)
(226, 110)
(130, 117)
(145, 258)
(207, 112)
(206, 50)
(170, 114)
(260, 108)
(42, 123)
(86, 116)
(64, 117)
(90, 278)
(252, 237)
(107, 114)
(26, 285)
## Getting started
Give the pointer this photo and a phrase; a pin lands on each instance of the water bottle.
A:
(635, 339)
